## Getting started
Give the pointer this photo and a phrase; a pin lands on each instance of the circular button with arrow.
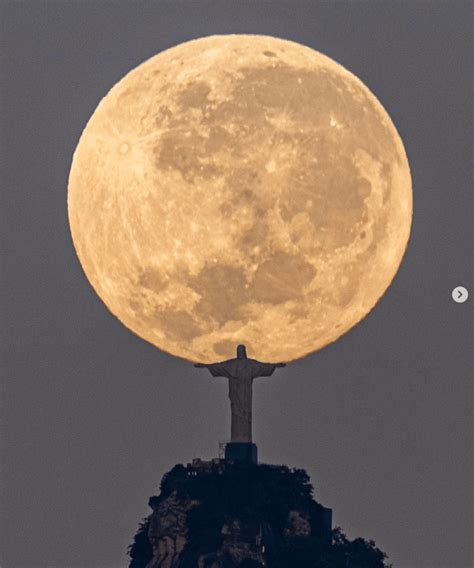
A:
(460, 294)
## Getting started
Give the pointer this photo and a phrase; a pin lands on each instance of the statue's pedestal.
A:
(241, 452)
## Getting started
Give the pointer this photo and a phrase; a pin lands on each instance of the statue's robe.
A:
(241, 373)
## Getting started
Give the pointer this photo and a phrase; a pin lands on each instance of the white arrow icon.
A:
(460, 294)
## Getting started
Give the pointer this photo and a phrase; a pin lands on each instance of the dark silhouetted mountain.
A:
(222, 515)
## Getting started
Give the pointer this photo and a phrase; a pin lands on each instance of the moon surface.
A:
(240, 189)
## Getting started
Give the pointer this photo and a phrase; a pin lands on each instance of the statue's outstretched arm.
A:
(265, 369)
(216, 369)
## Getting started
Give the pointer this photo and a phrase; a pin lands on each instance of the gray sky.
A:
(92, 416)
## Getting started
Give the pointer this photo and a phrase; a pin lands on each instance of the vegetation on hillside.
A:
(260, 498)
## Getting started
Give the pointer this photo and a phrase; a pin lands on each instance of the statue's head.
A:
(241, 352)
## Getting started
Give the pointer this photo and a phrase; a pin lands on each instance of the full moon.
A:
(240, 189)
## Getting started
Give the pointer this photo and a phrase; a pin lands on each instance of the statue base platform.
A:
(241, 452)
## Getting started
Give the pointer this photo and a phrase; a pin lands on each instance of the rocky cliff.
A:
(223, 515)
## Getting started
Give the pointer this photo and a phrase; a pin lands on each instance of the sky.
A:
(92, 416)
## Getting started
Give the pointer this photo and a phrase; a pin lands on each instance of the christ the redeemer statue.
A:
(241, 372)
